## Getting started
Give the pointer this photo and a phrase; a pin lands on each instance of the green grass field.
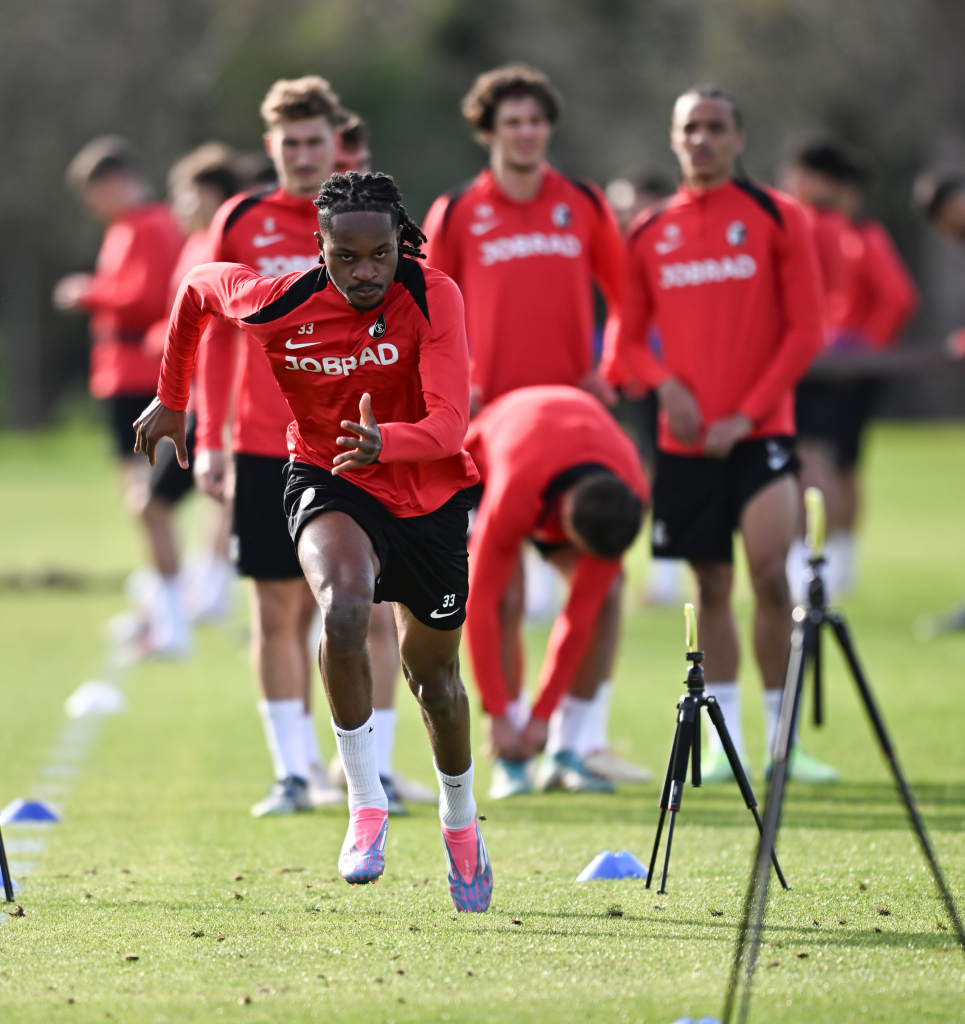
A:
(236, 919)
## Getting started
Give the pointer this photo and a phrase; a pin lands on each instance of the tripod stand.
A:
(809, 621)
(5, 872)
(686, 746)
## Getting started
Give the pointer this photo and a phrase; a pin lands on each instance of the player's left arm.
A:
(895, 293)
(799, 281)
(573, 630)
(444, 377)
(139, 279)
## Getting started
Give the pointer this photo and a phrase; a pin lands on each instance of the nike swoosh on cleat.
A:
(304, 344)
(260, 241)
(442, 615)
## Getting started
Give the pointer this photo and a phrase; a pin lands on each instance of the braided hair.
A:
(370, 193)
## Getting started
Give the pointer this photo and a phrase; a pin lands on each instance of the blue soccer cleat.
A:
(363, 853)
(470, 873)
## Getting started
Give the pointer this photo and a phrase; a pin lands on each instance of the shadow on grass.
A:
(846, 806)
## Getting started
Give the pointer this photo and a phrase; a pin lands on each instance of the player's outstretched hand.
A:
(724, 434)
(366, 447)
(211, 472)
(70, 291)
(159, 421)
(682, 411)
(534, 737)
(505, 739)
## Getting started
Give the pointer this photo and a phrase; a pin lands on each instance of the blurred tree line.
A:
(887, 75)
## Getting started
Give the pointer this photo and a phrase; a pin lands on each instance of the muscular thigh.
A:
(769, 521)
(425, 651)
(337, 556)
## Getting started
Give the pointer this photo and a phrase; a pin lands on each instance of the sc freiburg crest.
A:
(378, 328)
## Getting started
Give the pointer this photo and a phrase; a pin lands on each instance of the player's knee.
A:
(714, 586)
(437, 687)
(769, 581)
(345, 620)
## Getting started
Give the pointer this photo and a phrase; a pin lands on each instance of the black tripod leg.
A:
(818, 694)
(664, 799)
(844, 639)
(755, 902)
(666, 857)
(689, 709)
(5, 871)
(717, 719)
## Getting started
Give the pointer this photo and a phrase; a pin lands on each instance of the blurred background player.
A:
(353, 152)
(125, 295)
(559, 471)
(273, 231)
(526, 244)
(168, 596)
(666, 582)
(940, 198)
(726, 269)
(869, 297)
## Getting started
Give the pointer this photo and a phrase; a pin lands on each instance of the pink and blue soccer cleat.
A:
(470, 873)
(363, 853)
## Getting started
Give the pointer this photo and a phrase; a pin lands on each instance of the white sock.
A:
(313, 753)
(285, 734)
(772, 715)
(593, 735)
(356, 748)
(517, 711)
(457, 807)
(728, 696)
(384, 721)
(566, 723)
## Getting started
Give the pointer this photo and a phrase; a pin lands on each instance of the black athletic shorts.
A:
(423, 559)
(168, 480)
(122, 411)
(698, 501)
(260, 545)
(837, 412)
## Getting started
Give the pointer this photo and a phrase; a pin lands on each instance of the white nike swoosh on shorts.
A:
(442, 615)
(304, 344)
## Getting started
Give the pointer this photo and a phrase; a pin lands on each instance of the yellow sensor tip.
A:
(816, 520)
(690, 621)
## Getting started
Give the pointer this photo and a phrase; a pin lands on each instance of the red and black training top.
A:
(521, 444)
(409, 353)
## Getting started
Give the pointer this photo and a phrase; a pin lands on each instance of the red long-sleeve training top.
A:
(128, 293)
(526, 271)
(520, 443)
(730, 278)
(409, 353)
(273, 233)
(869, 294)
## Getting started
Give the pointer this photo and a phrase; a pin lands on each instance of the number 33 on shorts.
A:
(448, 607)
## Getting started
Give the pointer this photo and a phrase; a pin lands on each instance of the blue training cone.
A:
(19, 812)
(609, 865)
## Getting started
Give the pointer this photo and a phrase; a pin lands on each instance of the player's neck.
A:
(707, 183)
(519, 183)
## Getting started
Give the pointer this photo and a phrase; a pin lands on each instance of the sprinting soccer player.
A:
(869, 298)
(525, 244)
(272, 231)
(558, 471)
(726, 270)
(377, 513)
(127, 293)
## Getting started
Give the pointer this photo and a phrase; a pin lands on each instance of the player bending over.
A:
(377, 512)
(726, 271)
(560, 472)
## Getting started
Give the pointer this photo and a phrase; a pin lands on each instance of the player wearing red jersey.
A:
(377, 513)
(127, 292)
(726, 270)
(869, 297)
(560, 472)
(273, 232)
(525, 244)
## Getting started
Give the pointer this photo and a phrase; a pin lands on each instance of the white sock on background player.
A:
(313, 752)
(383, 719)
(566, 723)
(457, 806)
(772, 714)
(356, 748)
(285, 733)
(593, 736)
(517, 711)
(728, 696)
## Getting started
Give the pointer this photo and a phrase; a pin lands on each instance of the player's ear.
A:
(321, 246)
